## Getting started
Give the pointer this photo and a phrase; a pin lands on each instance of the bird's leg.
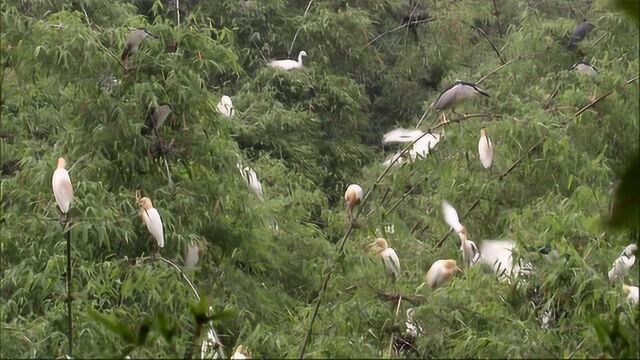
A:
(444, 118)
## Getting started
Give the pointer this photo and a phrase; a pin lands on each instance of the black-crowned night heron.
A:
(289, 64)
(156, 119)
(580, 33)
(455, 94)
(623, 263)
(133, 43)
(584, 67)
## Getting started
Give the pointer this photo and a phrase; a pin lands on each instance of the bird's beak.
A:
(459, 270)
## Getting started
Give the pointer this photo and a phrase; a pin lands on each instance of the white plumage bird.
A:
(469, 250)
(225, 106)
(485, 149)
(241, 353)
(210, 344)
(420, 149)
(62, 189)
(441, 271)
(632, 293)
(389, 257)
(623, 263)
(251, 179)
(151, 218)
(289, 64)
(352, 196)
(451, 218)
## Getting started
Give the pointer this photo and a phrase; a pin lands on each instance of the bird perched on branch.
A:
(225, 106)
(421, 148)
(133, 43)
(441, 271)
(407, 340)
(469, 250)
(151, 218)
(631, 292)
(156, 118)
(485, 149)
(580, 33)
(251, 179)
(584, 67)
(241, 353)
(352, 196)
(289, 64)
(456, 94)
(623, 263)
(62, 189)
(389, 257)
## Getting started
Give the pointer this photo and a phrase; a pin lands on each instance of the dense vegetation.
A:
(308, 134)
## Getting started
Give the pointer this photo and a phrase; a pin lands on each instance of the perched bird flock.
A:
(496, 254)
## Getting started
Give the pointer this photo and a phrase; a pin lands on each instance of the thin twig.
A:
(599, 39)
(414, 299)
(108, 52)
(462, 217)
(405, 195)
(497, 69)
(497, 14)
(397, 28)
(298, 30)
(495, 48)
(521, 158)
(551, 97)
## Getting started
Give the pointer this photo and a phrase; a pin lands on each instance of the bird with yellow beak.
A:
(352, 197)
(441, 271)
(151, 218)
(62, 189)
(469, 250)
(485, 149)
(389, 257)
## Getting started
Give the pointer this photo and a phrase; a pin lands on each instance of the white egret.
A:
(456, 94)
(499, 255)
(469, 250)
(623, 263)
(241, 353)
(62, 189)
(133, 42)
(288, 64)
(151, 218)
(389, 257)
(352, 196)
(631, 292)
(485, 149)
(225, 106)
(192, 255)
(420, 148)
(441, 271)
(251, 179)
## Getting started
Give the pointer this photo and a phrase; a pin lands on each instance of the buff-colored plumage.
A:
(441, 271)
(151, 218)
(62, 189)
(352, 197)
(485, 149)
(632, 293)
(241, 353)
(389, 257)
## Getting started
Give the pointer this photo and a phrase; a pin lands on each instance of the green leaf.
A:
(630, 7)
(625, 212)
(115, 326)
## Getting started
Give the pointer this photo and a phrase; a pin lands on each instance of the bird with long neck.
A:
(151, 218)
(352, 197)
(289, 64)
(441, 271)
(470, 252)
(389, 257)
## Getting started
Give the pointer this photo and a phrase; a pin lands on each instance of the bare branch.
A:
(497, 69)
(397, 28)
(521, 158)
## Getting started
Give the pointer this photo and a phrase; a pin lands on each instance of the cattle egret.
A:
(468, 248)
(352, 196)
(151, 218)
(241, 353)
(455, 94)
(225, 107)
(62, 189)
(420, 148)
(485, 149)
(584, 68)
(192, 255)
(623, 263)
(133, 42)
(288, 64)
(156, 119)
(389, 257)
(251, 179)
(441, 271)
(580, 33)
(499, 255)
(412, 330)
(631, 292)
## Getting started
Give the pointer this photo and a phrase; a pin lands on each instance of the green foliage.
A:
(308, 134)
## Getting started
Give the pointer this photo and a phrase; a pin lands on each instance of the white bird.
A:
(389, 257)
(469, 250)
(632, 293)
(499, 255)
(441, 271)
(485, 149)
(411, 332)
(192, 255)
(241, 353)
(420, 148)
(288, 64)
(151, 218)
(225, 106)
(623, 263)
(209, 343)
(352, 196)
(451, 217)
(251, 178)
(62, 189)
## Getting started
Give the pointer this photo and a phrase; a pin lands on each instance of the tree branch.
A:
(497, 69)
(521, 158)
(597, 100)
(397, 28)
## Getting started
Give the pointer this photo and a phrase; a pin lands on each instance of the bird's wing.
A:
(401, 135)
(451, 216)
(154, 225)
(62, 189)
(394, 261)
(485, 151)
(255, 184)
